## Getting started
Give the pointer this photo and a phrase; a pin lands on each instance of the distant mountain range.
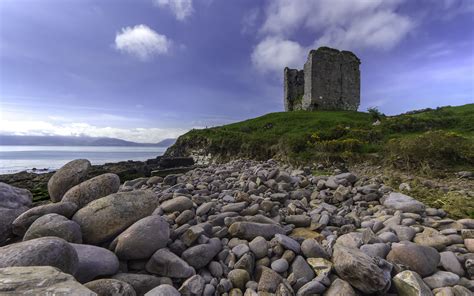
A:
(75, 141)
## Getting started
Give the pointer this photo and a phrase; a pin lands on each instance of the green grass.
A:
(327, 136)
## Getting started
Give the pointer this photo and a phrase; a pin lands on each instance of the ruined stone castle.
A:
(330, 80)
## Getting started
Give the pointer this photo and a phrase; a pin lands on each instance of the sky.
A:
(145, 70)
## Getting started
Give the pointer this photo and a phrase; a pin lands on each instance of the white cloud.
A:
(275, 53)
(142, 42)
(43, 128)
(345, 24)
(249, 20)
(182, 9)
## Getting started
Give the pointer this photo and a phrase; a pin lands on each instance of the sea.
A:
(42, 159)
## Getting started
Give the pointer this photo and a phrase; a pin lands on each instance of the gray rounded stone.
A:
(163, 290)
(142, 239)
(177, 204)
(142, 283)
(404, 203)
(54, 225)
(441, 279)
(68, 176)
(13, 202)
(312, 249)
(421, 259)
(23, 222)
(108, 216)
(166, 263)
(94, 262)
(200, 255)
(250, 230)
(259, 246)
(280, 265)
(92, 189)
(51, 251)
(111, 287)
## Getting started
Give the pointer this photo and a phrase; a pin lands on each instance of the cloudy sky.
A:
(144, 70)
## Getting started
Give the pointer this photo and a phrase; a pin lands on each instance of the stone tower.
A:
(330, 81)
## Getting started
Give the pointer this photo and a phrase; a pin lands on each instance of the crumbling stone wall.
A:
(294, 89)
(331, 81)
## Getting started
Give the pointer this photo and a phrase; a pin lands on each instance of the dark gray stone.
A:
(54, 225)
(250, 230)
(13, 202)
(200, 255)
(21, 224)
(51, 251)
(94, 262)
(142, 239)
(166, 263)
(142, 283)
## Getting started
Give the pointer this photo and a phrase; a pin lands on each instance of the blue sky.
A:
(144, 70)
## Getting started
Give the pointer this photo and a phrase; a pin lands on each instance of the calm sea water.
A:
(14, 159)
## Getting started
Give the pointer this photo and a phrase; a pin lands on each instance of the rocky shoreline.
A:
(241, 228)
(36, 182)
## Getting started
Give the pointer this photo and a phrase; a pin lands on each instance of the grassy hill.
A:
(440, 138)
(420, 148)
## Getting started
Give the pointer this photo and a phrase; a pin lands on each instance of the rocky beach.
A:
(239, 228)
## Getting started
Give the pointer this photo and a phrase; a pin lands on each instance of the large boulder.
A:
(166, 263)
(250, 230)
(142, 239)
(421, 259)
(404, 203)
(23, 222)
(106, 217)
(92, 189)
(142, 283)
(54, 225)
(39, 280)
(111, 287)
(360, 270)
(94, 262)
(13, 202)
(43, 251)
(68, 176)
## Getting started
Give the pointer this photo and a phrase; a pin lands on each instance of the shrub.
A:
(433, 148)
(375, 113)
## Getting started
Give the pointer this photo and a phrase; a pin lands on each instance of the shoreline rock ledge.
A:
(242, 228)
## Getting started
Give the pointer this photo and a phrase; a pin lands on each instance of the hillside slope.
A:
(443, 137)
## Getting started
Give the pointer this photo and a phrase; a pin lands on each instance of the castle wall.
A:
(331, 82)
(293, 89)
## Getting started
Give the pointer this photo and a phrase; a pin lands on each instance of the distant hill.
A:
(75, 141)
